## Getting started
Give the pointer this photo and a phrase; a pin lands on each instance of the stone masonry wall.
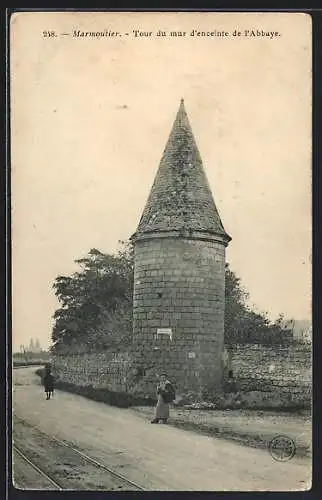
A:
(99, 370)
(273, 377)
(281, 376)
(179, 284)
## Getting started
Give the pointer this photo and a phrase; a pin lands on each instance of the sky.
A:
(90, 118)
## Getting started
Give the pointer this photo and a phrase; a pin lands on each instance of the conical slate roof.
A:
(180, 196)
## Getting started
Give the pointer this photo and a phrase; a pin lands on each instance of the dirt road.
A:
(158, 457)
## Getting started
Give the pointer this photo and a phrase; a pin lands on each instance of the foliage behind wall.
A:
(96, 308)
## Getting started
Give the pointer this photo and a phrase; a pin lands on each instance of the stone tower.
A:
(179, 274)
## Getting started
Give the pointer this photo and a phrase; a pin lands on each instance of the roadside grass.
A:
(247, 427)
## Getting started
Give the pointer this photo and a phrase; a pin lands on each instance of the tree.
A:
(100, 290)
(245, 326)
(235, 306)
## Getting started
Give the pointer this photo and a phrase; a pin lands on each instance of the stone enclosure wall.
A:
(272, 376)
(99, 370)
(262, 376)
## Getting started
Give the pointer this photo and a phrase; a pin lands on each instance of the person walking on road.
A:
(166, 394)
(48, 381)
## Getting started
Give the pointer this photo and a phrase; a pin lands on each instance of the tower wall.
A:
(179, 283)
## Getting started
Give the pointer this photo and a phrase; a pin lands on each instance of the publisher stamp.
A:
(282, 448)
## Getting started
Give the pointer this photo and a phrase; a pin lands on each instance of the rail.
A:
(120, 477)
(36, 468)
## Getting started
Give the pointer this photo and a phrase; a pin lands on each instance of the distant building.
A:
(37, 346)
(302, 330)
(307, 335)
(34, 346)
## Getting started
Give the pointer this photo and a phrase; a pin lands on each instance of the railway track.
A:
(51, 483)
(122, 481)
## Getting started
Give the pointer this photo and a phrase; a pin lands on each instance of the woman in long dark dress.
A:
(48, 381)
(164, 392)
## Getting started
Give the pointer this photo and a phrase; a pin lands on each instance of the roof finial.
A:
(182, 100)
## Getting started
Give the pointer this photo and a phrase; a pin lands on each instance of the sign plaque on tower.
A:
(164, 331)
